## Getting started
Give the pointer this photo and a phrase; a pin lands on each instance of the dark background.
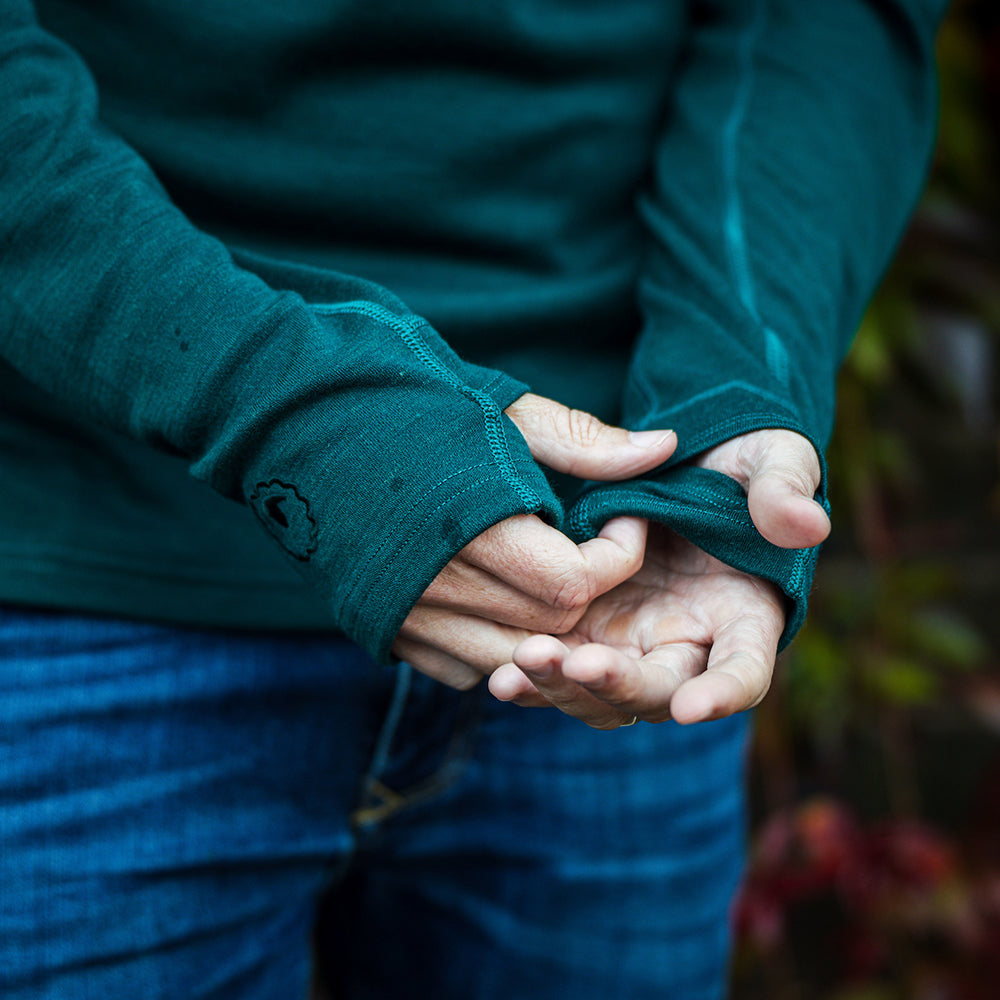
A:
(875, 847)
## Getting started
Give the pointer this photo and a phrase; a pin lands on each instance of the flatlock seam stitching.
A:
(707, 497)
(803, 558)
(718, 433)
(493, 382)
(492, 417)
(720, 390)
(793, 576)
(587, 505)
(721, 431)
(696, 490)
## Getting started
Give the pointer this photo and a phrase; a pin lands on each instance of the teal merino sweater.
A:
(307, 252)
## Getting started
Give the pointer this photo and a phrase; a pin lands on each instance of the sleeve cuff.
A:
(709, 509)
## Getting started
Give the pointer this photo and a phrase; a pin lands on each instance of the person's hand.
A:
(779, 472)
(521, 576)
(686, 637)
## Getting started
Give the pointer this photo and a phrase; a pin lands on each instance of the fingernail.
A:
(649, 439)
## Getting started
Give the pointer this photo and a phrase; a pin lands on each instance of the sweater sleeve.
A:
(364, 445)
(792, 153)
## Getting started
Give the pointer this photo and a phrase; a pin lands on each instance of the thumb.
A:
(782, 478)
(580, 445)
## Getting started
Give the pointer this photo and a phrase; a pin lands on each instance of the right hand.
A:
(521, 577)
(687, 637)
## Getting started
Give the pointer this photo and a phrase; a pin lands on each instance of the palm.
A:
(683, 616)
(686, 637)
(671, 611)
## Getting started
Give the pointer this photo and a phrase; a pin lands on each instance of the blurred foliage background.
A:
(875, 847)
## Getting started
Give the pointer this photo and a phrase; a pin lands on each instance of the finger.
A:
(738, 674)
(469, 590)
(616, 554)
(577, 443)
(509, 683)
(541, 658)
(780, 472)
(780, 499)
(479, 643)
(642, 686)
(437, 664)
(543, 563)
(783, 477)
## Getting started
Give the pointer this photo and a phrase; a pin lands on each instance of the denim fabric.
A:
(174, 805)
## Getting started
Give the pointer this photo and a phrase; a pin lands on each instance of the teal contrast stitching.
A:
(718, 391)
(494, 382)
(579, 516)
(492, 416)
(584, 507)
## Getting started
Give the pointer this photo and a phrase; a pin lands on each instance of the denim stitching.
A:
(453, 762)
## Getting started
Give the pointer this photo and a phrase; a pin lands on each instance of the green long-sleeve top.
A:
(307, 252)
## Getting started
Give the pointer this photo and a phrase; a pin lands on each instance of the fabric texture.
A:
(176, 801)
(301, 256)
(638, 209)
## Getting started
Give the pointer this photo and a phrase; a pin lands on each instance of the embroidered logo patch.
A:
(286, 516)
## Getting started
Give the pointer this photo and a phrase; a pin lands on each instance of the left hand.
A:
(686, 637)
(522, 576)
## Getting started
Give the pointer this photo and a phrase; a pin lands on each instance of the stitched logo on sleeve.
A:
(285, 514)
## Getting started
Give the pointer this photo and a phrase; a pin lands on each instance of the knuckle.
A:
(583, 428)
(570, 592)
(793, 479)
(559, 622)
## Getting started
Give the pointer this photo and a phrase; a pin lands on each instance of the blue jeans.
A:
(175, 803)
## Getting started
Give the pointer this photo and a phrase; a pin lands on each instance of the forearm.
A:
(367, 448)
(794, 147)
(796, 144)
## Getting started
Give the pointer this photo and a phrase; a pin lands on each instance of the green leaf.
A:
(903, 681)
(870, 357)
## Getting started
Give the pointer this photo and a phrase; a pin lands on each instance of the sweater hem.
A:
(92, 583)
